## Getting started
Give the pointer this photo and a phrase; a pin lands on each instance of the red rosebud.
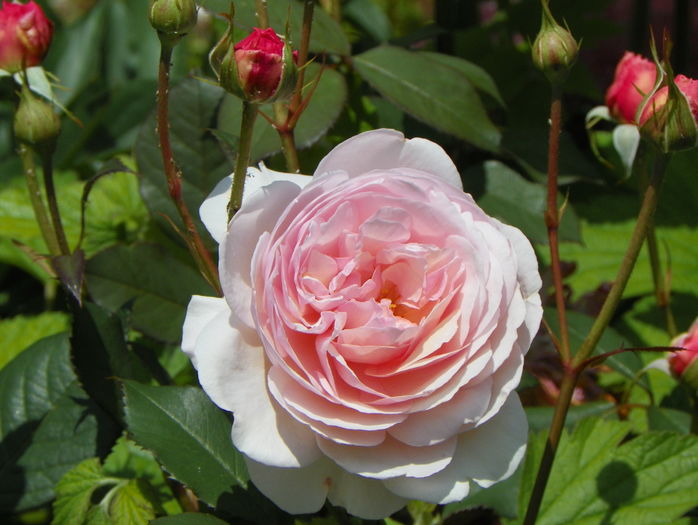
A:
(634, 78)
(25, 35)
(684, 363)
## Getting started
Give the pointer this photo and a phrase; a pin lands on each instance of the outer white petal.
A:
(200, 311)
(493, 451)
(527, 263)
(257, 216)
(232, 372)
(295, 490)
(391, 458)
(214, 209)
(387, 149)
(486, 455)
(363, 497)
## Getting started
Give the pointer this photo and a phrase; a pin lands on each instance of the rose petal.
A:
(214, 210)
(389, 459)
(386, 149)
(295, 490)
(232, 372)
(200, 311)
(363, 497)
(487, 454)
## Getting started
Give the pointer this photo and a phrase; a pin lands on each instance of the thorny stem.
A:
(287, 117)
(174, 177)
(38, 206)
(649, 205)
(552, 221)
(249, 115)
(47, 164)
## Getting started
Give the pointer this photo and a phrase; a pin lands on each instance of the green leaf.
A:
(155, 284)
(189, 518)
(444, 98)
(19, 332)
(100, 355)
(326, 36)
(181, 423)
(326, 104)
(516, 201)
(604, 246)
(74, 492)
(476, 75)
(370, 17)
(650, 479)
(129, 505)
(661, 418)
(41, 405)
(540, 417)
(128, 460)
(196, 151)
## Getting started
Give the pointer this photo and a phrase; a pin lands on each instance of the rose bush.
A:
(372, 332)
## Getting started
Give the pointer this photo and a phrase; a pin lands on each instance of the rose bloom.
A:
(679, 361)
(372, 332)
(25, 35)
(634, 78)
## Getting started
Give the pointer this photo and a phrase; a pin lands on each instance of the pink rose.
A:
(25, 35)
(680, 361)
(372, 332)
(634, 78)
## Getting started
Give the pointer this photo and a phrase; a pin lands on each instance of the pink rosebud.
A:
(687, 86)
(683, 362)
(634, 78)
(260, 63)
(25, 35)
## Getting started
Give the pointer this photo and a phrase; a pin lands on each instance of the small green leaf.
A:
(181, 423)
(444, 98)
(129, 505)
(156, 286)
(74, 492)
(516, 201)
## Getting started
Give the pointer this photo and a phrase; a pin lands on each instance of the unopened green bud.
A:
(555, 49)
(36, 123)
(172, 18)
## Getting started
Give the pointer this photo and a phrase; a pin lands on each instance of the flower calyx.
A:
(36, 123)
(554, 50)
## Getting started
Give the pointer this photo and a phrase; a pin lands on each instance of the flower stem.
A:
(552, 220)
(262, 13)
(47, 164)
(660, 290)
(37, 202)
(249, 115)
(287, 116)
(649, 205)
(203, 258)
